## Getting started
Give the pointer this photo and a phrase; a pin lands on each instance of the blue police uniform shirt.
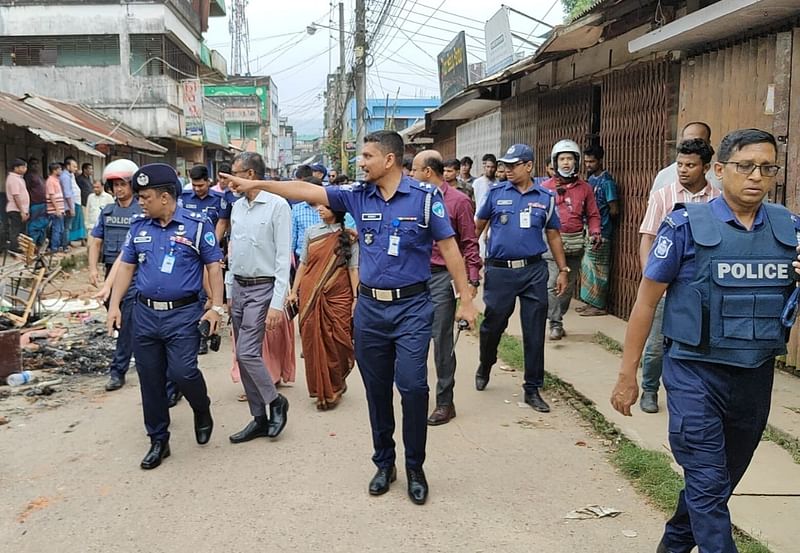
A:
(212, 206)
(672, 255)
(230, 199)
(508, 239)
(382, 223)
(148, 244)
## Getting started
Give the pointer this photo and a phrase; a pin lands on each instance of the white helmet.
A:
(119, 169)
(566, 147)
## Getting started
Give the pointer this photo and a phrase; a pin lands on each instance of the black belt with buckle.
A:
(393, 294)
(437, 269)
(513, 263)
(160, 305)
(253, 281)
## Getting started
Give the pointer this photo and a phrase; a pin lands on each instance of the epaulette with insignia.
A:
(677, 218)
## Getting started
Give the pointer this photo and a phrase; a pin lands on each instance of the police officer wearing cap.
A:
(108, 236)
(397, 219)
(521, 215)
(169, 246)
(727, 269)
(201, 198)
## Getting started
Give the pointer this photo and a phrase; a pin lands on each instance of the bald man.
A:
(428, 167)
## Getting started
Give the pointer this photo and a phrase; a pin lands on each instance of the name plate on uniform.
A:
(752, 272)
(371, 216)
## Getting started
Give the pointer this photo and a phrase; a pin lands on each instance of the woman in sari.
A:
(326, 285)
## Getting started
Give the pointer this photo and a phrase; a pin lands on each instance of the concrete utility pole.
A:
(360, 74)
(343, 94)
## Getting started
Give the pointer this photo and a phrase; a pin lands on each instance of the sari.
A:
(326, 303)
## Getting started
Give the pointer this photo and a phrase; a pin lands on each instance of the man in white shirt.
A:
(481, 187)
(665, 177)
(259, 259)
(95, 203)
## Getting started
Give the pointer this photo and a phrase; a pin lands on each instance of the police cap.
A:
(156, 175)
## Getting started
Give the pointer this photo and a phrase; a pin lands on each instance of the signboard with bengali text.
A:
(453, 71)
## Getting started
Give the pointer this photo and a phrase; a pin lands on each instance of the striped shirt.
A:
(663, 200)
(55, 197)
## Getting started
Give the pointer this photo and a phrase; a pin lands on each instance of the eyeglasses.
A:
(242, 172)
(747, 168)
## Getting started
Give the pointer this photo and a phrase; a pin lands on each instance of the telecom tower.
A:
(240, 38)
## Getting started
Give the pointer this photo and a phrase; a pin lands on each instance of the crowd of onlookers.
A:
(56, 208)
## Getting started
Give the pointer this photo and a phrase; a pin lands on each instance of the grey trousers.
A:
(444, 318)
(249, 314)
(557, 306)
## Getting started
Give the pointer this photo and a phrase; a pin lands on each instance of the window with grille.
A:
(59, 51)
(158, 55)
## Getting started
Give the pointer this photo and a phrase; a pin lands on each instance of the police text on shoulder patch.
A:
(438, 209)
(210, 239)
(662, 248)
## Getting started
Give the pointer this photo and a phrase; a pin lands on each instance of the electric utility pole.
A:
(342, 99)
(360, 74)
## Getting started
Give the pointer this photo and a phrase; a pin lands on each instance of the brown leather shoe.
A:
(442, 415)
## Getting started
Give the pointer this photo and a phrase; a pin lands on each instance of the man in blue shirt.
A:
(596, 263)
(727, 269)
(303, 215)
(170, 246)
(67, 178)
(397, 219)
(521, 215)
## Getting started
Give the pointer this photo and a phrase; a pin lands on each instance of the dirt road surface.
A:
(502, 478)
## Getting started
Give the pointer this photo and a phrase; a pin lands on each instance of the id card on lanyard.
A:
(168, 263)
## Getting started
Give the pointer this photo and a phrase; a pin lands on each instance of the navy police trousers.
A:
(391, 346)
(717, 414)
(500, 292)
(165, 346)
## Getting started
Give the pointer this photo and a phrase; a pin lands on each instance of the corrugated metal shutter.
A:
(478, 137)
(519, 120)
(634, 128)
(564, 113)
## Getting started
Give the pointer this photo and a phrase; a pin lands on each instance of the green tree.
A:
(574, 7)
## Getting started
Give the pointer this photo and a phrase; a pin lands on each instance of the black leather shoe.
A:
(535, 400)
(649, 402)
(278, 409)
(662, 548)
(417, 486)
(256, 428)
(203, 425)
(115, 382)
(379, 484)
(174, 398)
(481, 378)
(159, 450)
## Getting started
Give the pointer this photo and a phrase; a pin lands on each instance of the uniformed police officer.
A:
(397, 220)
(170, 246)
(727, 270)
(108, 236)
(520, 215)
(201, 198)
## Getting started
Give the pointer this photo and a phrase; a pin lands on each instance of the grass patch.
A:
(650, 472)
(608, 343)
(786, 441)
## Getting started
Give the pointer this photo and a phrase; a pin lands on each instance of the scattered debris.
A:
(593, 512)
(507, 369)
(630, 533)
(83, 349)
(4, 420)
(580, 443)
(529, 424)
(506, 401)
(36, 505)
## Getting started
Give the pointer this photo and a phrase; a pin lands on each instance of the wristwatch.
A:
(565, 270)
(218, 309)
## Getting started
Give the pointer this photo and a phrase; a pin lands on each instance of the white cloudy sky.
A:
(403, 57)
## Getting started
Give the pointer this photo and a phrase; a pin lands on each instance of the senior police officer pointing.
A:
(726, 267)
(170, 246)
(397, 220)
(520, 215)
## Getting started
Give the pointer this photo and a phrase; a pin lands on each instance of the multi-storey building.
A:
(142, 62)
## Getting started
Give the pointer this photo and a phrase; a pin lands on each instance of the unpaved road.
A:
(502, 478)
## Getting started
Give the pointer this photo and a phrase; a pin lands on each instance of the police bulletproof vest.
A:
(730, 312)
(116, 221)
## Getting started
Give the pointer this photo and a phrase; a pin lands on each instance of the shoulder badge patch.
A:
(438, 209)
(210, 239)
(662, 248)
